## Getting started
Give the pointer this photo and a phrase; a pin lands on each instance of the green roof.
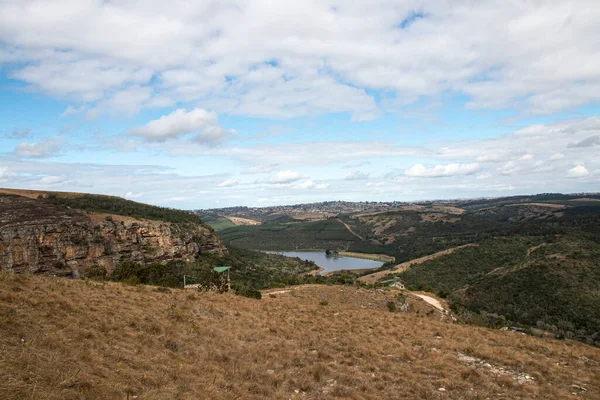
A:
(221, 269)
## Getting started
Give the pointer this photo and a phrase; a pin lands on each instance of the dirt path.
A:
(350, 229)
(534, 248)
(372, 278)
(434, 302)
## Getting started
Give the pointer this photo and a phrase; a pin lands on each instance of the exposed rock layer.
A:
(39, 237)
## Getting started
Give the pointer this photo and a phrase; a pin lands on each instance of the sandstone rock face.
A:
(38, 237)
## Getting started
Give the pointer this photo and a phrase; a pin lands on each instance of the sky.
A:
(204, 104)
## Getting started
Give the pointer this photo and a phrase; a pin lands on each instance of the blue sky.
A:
(254, 103)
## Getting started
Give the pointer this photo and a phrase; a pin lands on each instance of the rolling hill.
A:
(532, 260)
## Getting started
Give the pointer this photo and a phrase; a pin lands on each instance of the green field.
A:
(286, 237)
(220, 223)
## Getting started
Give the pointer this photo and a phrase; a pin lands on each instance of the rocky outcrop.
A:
(39, 237)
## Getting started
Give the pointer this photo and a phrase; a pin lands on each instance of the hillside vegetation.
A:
(73, 339)
(250, 271)
(120, 206)
(324, 234)
(527, 259)
(82, 235)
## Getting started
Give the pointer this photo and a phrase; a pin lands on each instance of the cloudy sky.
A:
(197, 104)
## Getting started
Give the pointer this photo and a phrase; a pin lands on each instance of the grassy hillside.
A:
(309, 235)
(71, 339)
(119, 206)
(219, 223)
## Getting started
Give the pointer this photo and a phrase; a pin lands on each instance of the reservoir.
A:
(331, 263)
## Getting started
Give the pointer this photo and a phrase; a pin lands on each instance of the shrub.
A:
(132, 280)
(249, 292)
(391, 306)
(97, 272)
(324, 303)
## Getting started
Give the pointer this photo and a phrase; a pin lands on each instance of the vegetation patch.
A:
(120, 206)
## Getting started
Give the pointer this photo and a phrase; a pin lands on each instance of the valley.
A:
(497, 256)
(467, 299)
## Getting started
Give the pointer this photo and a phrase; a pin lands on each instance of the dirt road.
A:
(350, 229)
(434, 302)
(372, 278)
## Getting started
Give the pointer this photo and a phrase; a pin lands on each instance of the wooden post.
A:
(184, 281)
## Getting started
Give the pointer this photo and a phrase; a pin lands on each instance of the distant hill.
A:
(532, 259)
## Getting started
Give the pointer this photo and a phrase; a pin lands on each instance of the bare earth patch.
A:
(243, 221)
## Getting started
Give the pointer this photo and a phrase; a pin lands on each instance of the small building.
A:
(221, 270)
(394, 282)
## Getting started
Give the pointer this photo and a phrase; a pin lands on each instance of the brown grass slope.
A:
(34, 194)
(74, 339)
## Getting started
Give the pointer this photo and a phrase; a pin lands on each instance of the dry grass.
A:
(375, 257)
(98, 217)
(242, 221)
(33, 194)
(64, 339)
(548, 205)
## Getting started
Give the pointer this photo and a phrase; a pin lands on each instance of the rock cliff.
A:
(39, 237)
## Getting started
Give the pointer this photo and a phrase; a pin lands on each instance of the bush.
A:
(391, 306)
(132, 280)
(324, 303)
(401, 298)
(249, 292)
(97, 272)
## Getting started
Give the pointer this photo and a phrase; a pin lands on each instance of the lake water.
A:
(331, 263)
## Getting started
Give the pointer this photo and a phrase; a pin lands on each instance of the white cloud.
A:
(355, 164)
(308, 184)
(19, 133)
(418, 170)
(587, 142)
(51, 180)
(526, 157)
(578, 171)
(314, 153)
(44, 148)
(131, 195)
(508, 168)
(229, 183)
(255, 58)
(375, 184)
(356, 175)
(557, 156)
(5, 174)
(180, 123)
(285, 177)
(71, 110)
(261, 169)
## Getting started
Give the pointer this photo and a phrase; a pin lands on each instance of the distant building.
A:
(394, 282)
